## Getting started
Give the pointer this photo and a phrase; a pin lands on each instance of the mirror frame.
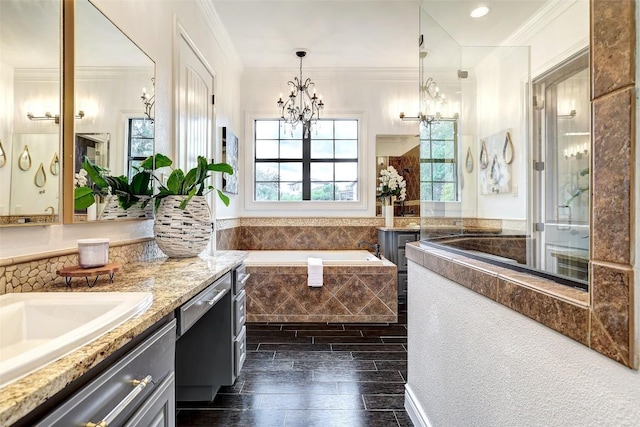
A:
(68, 97)
(69, 108)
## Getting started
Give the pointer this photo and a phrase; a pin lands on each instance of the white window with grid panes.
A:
(438, 161)
(323, 166)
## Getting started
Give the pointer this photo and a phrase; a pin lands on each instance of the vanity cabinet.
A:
(136, 390)
(240, 278)
(211, 345)
(392, 246)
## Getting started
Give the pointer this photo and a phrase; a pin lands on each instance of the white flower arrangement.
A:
(391, 184)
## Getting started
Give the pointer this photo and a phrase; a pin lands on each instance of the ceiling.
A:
(358, 33)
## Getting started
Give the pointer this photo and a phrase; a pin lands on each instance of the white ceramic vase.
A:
(182, 233)
(388, 216)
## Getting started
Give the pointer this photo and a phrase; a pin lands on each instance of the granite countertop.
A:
(172, 282)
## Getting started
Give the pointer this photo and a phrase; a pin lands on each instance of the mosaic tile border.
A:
(34, 272)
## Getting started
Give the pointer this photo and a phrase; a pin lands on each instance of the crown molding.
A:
(219, 32)
(319, 74)
(538, 21)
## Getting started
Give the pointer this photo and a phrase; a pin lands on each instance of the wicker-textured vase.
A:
(183, 233)
(112, 210)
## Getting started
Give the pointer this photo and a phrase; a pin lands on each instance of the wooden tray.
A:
(76, 271)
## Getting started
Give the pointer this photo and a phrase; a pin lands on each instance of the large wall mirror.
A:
(403, 153)
(113, 115)
(30, 106)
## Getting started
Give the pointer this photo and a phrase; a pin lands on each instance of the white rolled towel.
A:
(314, 271)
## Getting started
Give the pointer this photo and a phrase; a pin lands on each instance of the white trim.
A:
(538, 21)
(219, 32)
(378, 74)
(414, 409)
(181, 33)
(328, 208)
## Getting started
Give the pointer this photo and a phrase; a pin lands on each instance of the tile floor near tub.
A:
(313, 374)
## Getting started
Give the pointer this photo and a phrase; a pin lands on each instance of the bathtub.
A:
(357, 288)
(295, 258)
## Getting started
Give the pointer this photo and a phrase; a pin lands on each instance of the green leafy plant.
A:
(578, 191)
(193, 183)
(102, 184)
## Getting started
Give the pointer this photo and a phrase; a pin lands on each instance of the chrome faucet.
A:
(374, 246)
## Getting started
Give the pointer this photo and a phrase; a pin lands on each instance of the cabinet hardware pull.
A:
(111, 416)
(244, 277)
(216, 298)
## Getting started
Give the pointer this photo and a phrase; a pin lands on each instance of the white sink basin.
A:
(37, 328)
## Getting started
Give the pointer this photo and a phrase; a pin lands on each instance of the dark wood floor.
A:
(313, 375)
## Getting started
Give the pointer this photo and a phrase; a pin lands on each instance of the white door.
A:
(195, 112)
(195, 106)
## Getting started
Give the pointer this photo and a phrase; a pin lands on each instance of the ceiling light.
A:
(479, 12)
(301, 107)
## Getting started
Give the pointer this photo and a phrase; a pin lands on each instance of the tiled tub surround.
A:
(337, 233)
(350, 294)
(172, 282)
(34, 272)
(564, 309)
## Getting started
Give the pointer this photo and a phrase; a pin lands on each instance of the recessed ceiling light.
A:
(479, 12)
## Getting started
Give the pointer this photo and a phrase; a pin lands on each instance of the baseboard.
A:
(414, 409)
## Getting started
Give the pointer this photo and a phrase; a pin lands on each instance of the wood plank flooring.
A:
(307, 375)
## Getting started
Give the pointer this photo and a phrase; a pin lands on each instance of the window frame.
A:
(454, 160)
(128, 157)
(310, 207)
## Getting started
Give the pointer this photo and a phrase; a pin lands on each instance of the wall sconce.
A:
(47, 116)
(149, 100)
(427, 118)
(55, 118)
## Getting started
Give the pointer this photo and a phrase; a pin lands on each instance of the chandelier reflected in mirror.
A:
(303, 105)
(433, 102)
(149, 100)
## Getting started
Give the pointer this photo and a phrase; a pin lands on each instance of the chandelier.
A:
(149, 100)
(431, 99)
(303, 105)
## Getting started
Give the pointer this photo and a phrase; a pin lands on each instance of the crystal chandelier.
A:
(302, 106)
(149, 100)
(432, 100)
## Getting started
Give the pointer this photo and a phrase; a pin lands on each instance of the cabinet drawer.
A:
(402, 284)
(405, 238)
(240, 311)
(120, 383)
(197, 306)
(402, 260)
(241, 277)
(240, 344)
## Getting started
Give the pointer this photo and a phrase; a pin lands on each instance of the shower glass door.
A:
(562, 169)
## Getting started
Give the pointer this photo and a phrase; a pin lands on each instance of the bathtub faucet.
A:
(374, 246)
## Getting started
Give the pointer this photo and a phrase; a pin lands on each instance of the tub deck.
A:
(362, 293)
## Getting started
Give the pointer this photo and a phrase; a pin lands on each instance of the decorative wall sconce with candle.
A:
(24, 160)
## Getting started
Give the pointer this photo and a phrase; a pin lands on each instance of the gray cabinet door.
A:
(159, 409)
